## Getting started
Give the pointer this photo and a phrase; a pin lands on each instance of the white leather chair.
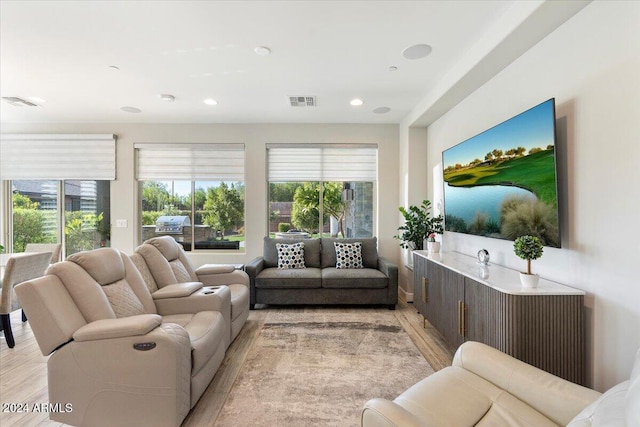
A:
(487, 387)
(20, 267)
(168, 264)
(118, 357)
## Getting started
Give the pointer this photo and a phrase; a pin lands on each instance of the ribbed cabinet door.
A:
(446, 288)
(483, 313)
(547, 332)
(420, 284)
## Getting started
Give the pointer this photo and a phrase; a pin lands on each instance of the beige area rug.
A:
(319, 368)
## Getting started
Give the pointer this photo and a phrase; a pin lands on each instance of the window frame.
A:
(61, 211)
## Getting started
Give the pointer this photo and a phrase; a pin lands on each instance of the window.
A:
(192, 192)
(322, 190)
(59, 189)
(43, 211)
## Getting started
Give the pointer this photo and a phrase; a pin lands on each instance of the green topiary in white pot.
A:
(529, 248)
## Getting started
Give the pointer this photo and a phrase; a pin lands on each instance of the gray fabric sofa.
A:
(321, 282)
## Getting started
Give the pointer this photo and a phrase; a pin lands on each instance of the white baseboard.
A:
(407, 296)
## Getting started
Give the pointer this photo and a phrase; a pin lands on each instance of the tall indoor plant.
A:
(418, 226)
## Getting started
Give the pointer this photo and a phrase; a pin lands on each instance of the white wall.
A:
(591, 65)
(413, 188)
(124, 198)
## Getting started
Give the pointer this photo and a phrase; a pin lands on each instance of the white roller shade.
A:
(85, 157)
(210, 162)
(322, 163)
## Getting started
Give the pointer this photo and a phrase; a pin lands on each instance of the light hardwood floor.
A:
(23, 369)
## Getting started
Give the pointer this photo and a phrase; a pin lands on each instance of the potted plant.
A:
(529, 248)
(418, 226)
(432, 245)
(434, 226)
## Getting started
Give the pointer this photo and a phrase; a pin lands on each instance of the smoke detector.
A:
(302, 101)
(18, 102)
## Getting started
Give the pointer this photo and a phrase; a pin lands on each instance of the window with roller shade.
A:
(322, 189)
(192, 192)
(59, 189)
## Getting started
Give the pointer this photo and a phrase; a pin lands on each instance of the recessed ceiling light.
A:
(167, 98)
(131, 110)
(262, 50)
(356, 102)
(393, 68)
(210, 101)
(416, 51)
(382, 110)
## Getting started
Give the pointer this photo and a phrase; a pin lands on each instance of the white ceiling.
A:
(61, 51)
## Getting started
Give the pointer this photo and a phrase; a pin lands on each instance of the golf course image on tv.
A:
(502, 182)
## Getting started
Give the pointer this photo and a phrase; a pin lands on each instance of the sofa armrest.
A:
(391, 271)
(556, 398)
(177, 290)
(253, 268)
(385, 413)
(218, 279)
(152, 382)
(214, 269)
(388, 268)
(205, 299)
(118, 328)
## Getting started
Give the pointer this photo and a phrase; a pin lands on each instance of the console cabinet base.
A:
(545, 330)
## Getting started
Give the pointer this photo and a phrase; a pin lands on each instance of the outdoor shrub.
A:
(283, 227)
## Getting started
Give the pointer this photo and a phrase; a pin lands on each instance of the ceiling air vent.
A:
(18, 102)
(302, 101)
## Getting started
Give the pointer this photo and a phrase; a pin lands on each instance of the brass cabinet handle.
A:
(464, 320)
(459, 319)
(462, 327)
(424, 290)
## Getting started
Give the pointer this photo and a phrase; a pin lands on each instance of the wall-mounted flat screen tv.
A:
(502, 182)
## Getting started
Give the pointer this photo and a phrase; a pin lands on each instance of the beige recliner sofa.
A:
(168, 264)
(118, 357)
(485, 387)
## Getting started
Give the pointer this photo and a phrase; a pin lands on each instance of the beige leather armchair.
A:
(487, 387)
(168, 264)
(118, 357)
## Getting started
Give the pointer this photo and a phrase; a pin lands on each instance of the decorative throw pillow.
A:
(348, 255)
(290, 256)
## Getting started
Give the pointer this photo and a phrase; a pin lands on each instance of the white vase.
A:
(433, 247)
(529, 280)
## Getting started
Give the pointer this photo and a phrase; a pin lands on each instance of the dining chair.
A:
(54, 248)
(20, 267)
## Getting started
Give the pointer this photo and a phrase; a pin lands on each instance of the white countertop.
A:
(497, 277)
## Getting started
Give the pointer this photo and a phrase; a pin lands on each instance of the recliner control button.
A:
(144, 346)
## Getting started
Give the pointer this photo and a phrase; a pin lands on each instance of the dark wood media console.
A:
(465, 301)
